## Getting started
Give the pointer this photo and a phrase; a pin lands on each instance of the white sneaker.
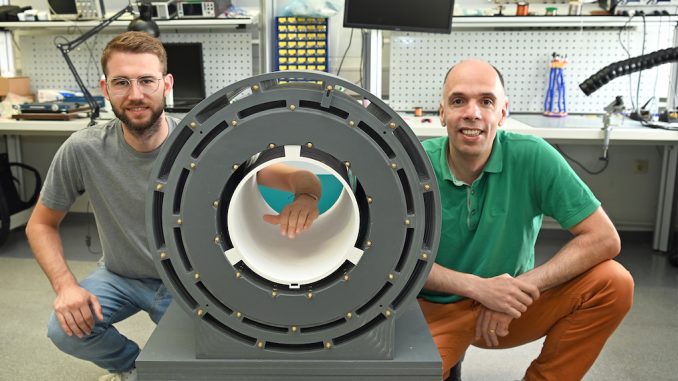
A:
(130, 375)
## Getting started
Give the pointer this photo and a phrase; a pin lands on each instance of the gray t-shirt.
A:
(116, 177)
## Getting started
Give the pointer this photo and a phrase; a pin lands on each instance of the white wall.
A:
(629, 196)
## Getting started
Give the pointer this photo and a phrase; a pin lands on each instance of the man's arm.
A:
(501, 293)
(72, 303)
(300, 214)
(595, 240)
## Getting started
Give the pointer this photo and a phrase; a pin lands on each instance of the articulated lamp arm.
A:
(67, 47)
(144, 24)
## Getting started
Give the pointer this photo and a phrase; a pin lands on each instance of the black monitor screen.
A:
(62, 7)
(417, 16)
(184, 62)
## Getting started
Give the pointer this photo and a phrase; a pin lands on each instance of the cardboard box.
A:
(15, 85)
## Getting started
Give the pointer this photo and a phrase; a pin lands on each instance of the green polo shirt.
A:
(490, 227)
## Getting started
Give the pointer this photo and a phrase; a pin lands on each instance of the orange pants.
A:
(576, 317)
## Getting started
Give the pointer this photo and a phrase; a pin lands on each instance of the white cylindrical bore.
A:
(314, 254)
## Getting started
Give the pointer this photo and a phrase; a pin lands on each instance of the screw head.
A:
(328, 345)
(294, 328)
(196, 276)
(369, 199)
(394, 165)
(179, 221)
(234, 123)
(351, 123)
(158, 187)
(217, 239)
(215, 203)
(293, 107)
(309, 145)
(346, 277)
(329, 87)
(427, 187)
(271, 145)
(238, 274)
(163, 255)
(349, 315)
(407, 221)
(390, 276)
(424, 256)
(200, 312)
(391, 125)
(193, 125)
(368, 243)
(274, 293)
(347, 164)
(255, 87)
(387, 313)
(238, 315)
(235, 166)
(309, 295)
(193, 165)
(260, 344)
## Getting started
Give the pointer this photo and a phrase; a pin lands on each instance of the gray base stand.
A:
(169, 355)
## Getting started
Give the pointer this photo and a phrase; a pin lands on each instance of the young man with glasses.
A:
(112, 163)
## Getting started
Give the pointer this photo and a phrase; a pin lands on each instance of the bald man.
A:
(496, 187)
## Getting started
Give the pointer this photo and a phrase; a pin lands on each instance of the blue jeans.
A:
(120, 298)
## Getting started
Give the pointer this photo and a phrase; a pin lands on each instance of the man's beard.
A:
(141, 129)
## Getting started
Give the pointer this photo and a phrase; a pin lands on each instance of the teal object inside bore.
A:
(331, 189)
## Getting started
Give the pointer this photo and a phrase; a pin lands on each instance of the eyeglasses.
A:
(121, 86)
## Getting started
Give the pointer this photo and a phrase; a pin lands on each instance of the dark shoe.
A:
(455, 373)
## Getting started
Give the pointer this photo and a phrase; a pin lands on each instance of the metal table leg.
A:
(663, 223)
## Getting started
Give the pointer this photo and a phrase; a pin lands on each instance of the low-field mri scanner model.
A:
(335, 303)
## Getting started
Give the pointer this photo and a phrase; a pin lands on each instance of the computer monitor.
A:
(63, 9)
(433, 16)
(185, 63)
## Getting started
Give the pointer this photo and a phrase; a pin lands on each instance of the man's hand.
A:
(506, 294)
(295, 217)
(73, 307)
(491, 325)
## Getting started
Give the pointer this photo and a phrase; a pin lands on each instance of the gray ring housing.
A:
(200, 165)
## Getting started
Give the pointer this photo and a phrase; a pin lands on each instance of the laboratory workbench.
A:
(585, 129)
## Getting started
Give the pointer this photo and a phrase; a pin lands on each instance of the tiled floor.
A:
(645, 347)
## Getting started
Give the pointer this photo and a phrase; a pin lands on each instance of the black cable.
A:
(590, 172)
(628, 66)
(362, 55)
(640, 72)
(15, 43)
(92, 61)
(656, 72)
(341, 63)
(54, 40)
(628, 54)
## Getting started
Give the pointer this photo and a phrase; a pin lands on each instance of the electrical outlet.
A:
(641, 166)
